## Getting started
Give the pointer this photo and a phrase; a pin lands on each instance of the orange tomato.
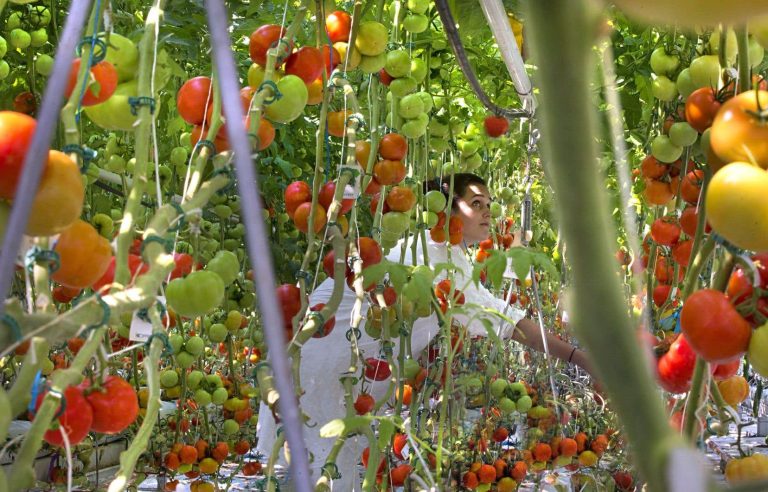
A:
(84, 255)
(59, 198)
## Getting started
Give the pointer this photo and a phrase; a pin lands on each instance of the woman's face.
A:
(474, 208)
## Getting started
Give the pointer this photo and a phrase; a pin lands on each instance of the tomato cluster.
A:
(108, 408)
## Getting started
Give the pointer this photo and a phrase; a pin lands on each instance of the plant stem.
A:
(562, 39)
(745, 69)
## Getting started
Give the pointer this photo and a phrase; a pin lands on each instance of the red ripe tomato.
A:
(393, 146)
(651, 168)
(16, 131)
(364, 403)
(713, 327)
(690, 188)
(101, 83)
(328, 326)
(665, 230)
(64, 294)
(295, 194)
(301, 217)
(246, 94)
(220, 142)
(193, 99)
(25, 102)
(495, 126)
(75, 419)
(289, 297)
(306, 63)
(681, 252)
(661, 294)
(135, 265)
(338, 25)
(724, 371)
(701, 107)
(326, 198)
(388, 172)
(689, 220)
(369, 251)
(262, 39)
(329, 263)
(377, 369)
(183, 263)
(675, 368)
(115, 406)
(385, 78)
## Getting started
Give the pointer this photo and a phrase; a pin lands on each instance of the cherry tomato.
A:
(377, 369)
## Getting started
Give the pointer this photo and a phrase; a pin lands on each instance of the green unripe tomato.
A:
(233, 321)
(403, 86)
(185, 360)
(179, 156)
(20, 39)
(222, 211)
(195, 345)
(418, 7)
(230, 427)
(225, 265)
(176, 342)
(13, 21)
(44, 65)
(682, 134)
(219, 396)
(418, 70)
(196, 294)
(496, 210)
(398, 63)
(524, 403)
(213, 381)
(202, 397)
(498, 387)
(3, 47)
(39, 16)
(5, 69)
(169, 378)
(416, 23)
(39, 37)
(217, 333)
(194, 379)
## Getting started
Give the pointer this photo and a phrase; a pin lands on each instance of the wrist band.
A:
(571, 356)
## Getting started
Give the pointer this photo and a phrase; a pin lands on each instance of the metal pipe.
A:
(452, 32)
(510, 53)
(37, 155)
(256, 238)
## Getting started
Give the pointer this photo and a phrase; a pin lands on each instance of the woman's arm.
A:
(529, 334)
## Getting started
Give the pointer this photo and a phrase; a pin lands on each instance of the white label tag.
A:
(140, 329)
(350, 193)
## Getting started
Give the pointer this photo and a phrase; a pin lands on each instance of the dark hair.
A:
(461, 181)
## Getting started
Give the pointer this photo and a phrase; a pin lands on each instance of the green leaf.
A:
(285, 167)
(521, 261)
(496, 264)
(398, 275)
(375, 273)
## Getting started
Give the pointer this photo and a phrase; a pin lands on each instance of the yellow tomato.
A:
(747, 469)
(84, 255)
(737, 208)
(734, 390)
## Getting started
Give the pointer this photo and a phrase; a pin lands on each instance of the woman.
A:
(324, 360)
